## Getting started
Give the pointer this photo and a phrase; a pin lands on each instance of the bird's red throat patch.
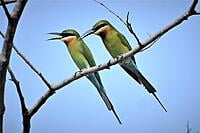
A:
(69, 40)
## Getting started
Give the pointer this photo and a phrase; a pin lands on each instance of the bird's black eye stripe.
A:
(99, 26)
(67, 34)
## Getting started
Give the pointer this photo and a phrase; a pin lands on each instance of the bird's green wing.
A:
(88, 55)
(125, 43)
(90, 59)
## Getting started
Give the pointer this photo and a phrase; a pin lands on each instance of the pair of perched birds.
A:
(115, 43)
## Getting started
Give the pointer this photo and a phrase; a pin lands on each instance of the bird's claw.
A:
(76, 73)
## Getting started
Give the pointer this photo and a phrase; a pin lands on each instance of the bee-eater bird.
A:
(83, 58)
(117, 44)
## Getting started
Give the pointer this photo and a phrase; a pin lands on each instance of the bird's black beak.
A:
(87, 33)
(55, 38)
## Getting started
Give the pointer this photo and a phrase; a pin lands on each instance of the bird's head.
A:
(101, 28)
(67, 36)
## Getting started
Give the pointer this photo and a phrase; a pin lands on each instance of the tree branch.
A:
(28, 113)
(32, 67)
(29, 64)
(2, 35)
(188, 130)
(6, 52)
(21, 97)
(127, 23)
(48, 93)
(40, 102)
(5, 9)
(8, 2)
(26, 117)
(129, 26)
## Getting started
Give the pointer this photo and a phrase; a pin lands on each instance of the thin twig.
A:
(5, 10)
(188, 130)
(29, 64)
(111, 11)
(127, 23)
(129, 26)
(21, 97)
(2, 35)
(8, 2)
(32, 67)
(178, 21)
(149, 45)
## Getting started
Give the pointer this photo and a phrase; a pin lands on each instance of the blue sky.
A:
(171, 65)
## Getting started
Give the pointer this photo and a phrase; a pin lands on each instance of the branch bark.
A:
(188, 129)
(26, 117)
(6, 52)
(8, 2)
(5, 9)
(17, 84)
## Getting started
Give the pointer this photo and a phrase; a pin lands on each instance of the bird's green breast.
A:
(114, 45)
(77, 55)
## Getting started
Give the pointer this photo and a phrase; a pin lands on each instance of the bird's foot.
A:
(76, 73)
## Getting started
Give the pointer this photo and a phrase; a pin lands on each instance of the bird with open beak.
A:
(83, 58)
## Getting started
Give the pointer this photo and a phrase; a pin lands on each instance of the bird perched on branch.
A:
(117, 44)
(83, 58)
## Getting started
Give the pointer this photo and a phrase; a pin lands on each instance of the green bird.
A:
(83, 58)
(116, 43)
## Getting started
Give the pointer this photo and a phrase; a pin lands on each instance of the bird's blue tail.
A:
(133, 71)
(103, 95)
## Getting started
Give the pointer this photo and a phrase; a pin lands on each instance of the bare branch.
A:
(6, 52)
(8, 2)
(32, 67)
(29, 64)
(188, 130)
(26, 117)
(129, 26)
(178, 21)
(40, 102)
(2, 35)
(127, 23)
(21, 97)
(5, 9)
(111, 11)
(149, 45)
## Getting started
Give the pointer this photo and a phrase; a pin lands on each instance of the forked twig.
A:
(5, 10)
(126, 23)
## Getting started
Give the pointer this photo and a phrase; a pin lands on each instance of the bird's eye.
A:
(100, 26)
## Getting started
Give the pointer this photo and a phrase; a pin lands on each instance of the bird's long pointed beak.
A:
(87, 33)
(55, 38)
